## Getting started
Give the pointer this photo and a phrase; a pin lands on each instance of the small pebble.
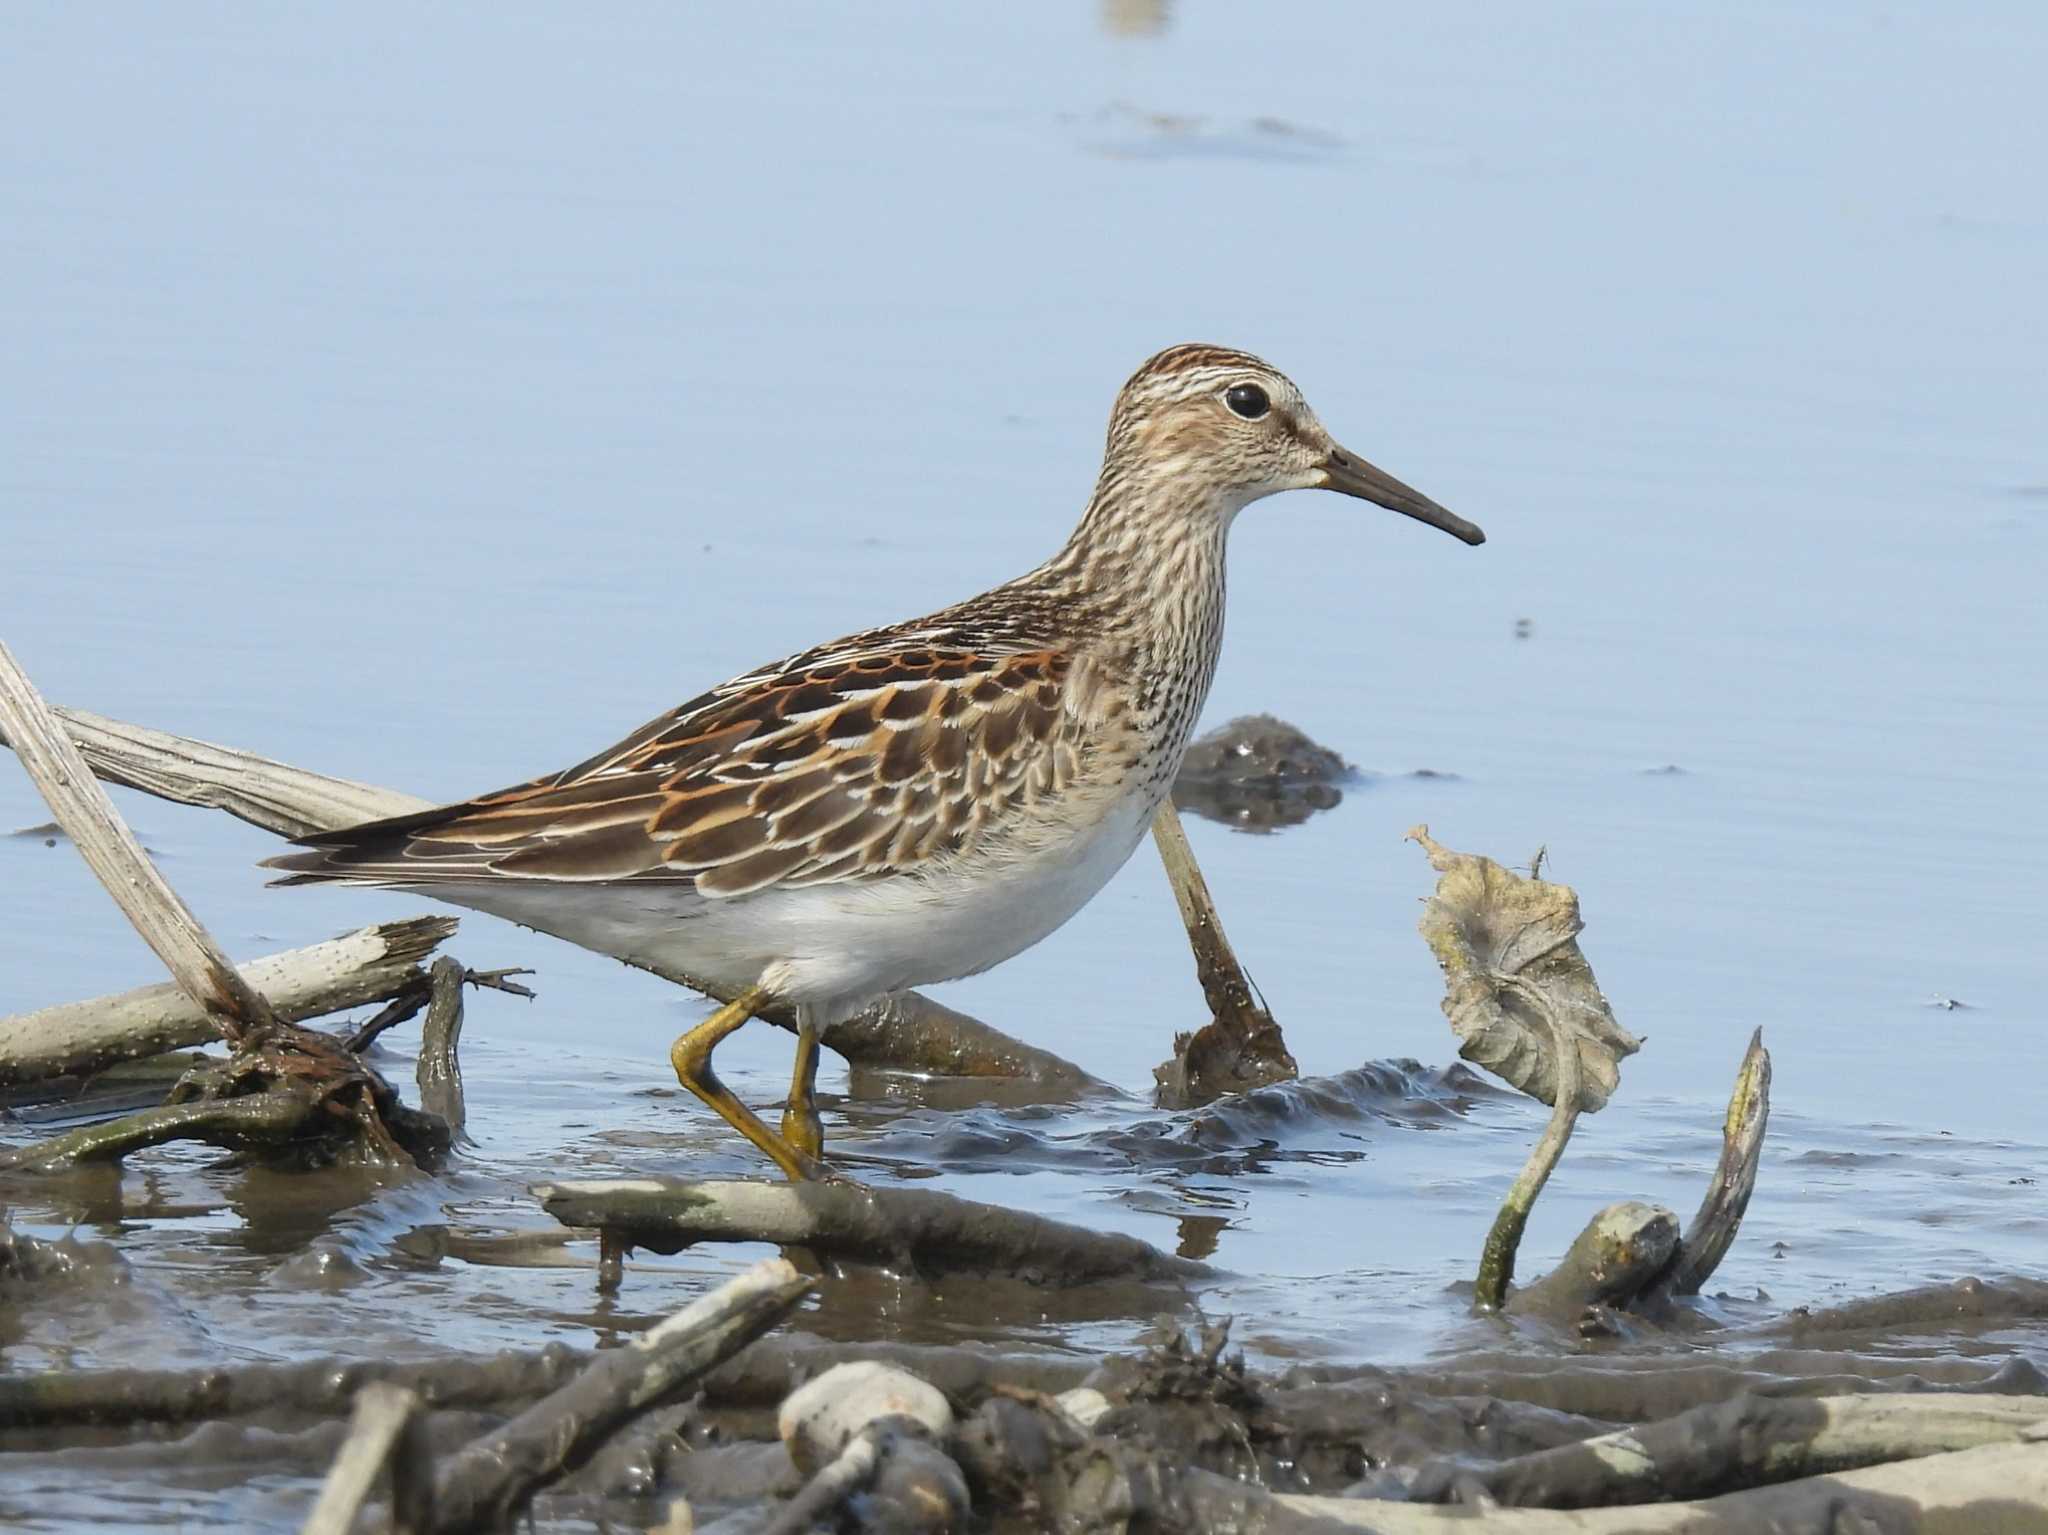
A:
(1084, 1404)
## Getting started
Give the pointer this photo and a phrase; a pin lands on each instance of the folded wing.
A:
(856, 767)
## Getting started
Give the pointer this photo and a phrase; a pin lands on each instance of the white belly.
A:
(832, 947)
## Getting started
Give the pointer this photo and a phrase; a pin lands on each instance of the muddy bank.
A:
(1179, 1433)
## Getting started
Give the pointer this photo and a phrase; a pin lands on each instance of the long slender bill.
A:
(1352, 475)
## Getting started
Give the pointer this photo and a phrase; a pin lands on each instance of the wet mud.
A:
(1180, 1400)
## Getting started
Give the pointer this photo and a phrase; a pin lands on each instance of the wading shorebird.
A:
(914, 803)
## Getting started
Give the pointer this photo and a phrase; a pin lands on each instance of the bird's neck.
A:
(1146, 566)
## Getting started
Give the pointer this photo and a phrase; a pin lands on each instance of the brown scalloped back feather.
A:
(854, 767)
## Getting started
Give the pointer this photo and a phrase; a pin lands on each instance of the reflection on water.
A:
(1136, 18)
(1259, 773)
(1121, 131)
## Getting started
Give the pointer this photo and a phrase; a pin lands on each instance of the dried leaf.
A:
(1497, 934)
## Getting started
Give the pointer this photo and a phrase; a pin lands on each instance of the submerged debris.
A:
(1258, 773)
(918, 1229)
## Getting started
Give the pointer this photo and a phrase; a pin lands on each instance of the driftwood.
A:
(337, 1100)
(486, 1483)
(1926, 1308)
(1621, 1253)
(264, 1119)
(910, 1032)
(1749, 1441)
(1190, 1443)
(1713, 1229)
(907, 1032)
(774, 1367)
(325, 1387)
(437, 1070)
(1240, 1047)
(919, 1229)
(1631, 1256)
(1990, 1490)
(386, 1417)
(372, 964)
(110, 850)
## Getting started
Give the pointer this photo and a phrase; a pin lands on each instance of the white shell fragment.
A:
(820, 1416)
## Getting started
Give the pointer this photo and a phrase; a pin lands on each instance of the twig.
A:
(437, 1070)
(110, 850)
(1241, 1046)
(486, 1482)
(371, 964)
(380, 1419)
(1712, 1231)
(918, 1228)
(272, 1118)
(406, 1005)
(1497, 1258)
(852, 1469)
(500, 980)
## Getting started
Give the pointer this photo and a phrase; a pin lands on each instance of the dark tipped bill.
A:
(1352, 475)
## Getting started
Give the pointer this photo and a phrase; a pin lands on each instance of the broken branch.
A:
(372, 964)
(110, 850)
(1712, 1231)
(1749, 1441)
(437, 1070)
(486, 1482)
(917, 1228)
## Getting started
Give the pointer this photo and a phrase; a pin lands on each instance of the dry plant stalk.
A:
(1525, 1006)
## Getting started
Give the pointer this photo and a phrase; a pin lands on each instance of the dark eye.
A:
(1248, 400)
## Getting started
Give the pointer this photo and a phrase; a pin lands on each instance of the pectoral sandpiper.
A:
(917, 802)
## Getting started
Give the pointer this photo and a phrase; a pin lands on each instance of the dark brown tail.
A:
(376, 852)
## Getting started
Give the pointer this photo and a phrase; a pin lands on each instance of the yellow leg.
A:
(691, 1057)
(801, 1126)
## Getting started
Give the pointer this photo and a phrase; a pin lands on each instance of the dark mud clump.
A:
(1258, 773)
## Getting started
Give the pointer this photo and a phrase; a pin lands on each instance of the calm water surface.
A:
(430, 397)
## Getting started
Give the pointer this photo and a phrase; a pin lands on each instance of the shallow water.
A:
(432, 398)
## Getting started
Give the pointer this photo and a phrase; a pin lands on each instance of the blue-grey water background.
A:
(429, 395)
